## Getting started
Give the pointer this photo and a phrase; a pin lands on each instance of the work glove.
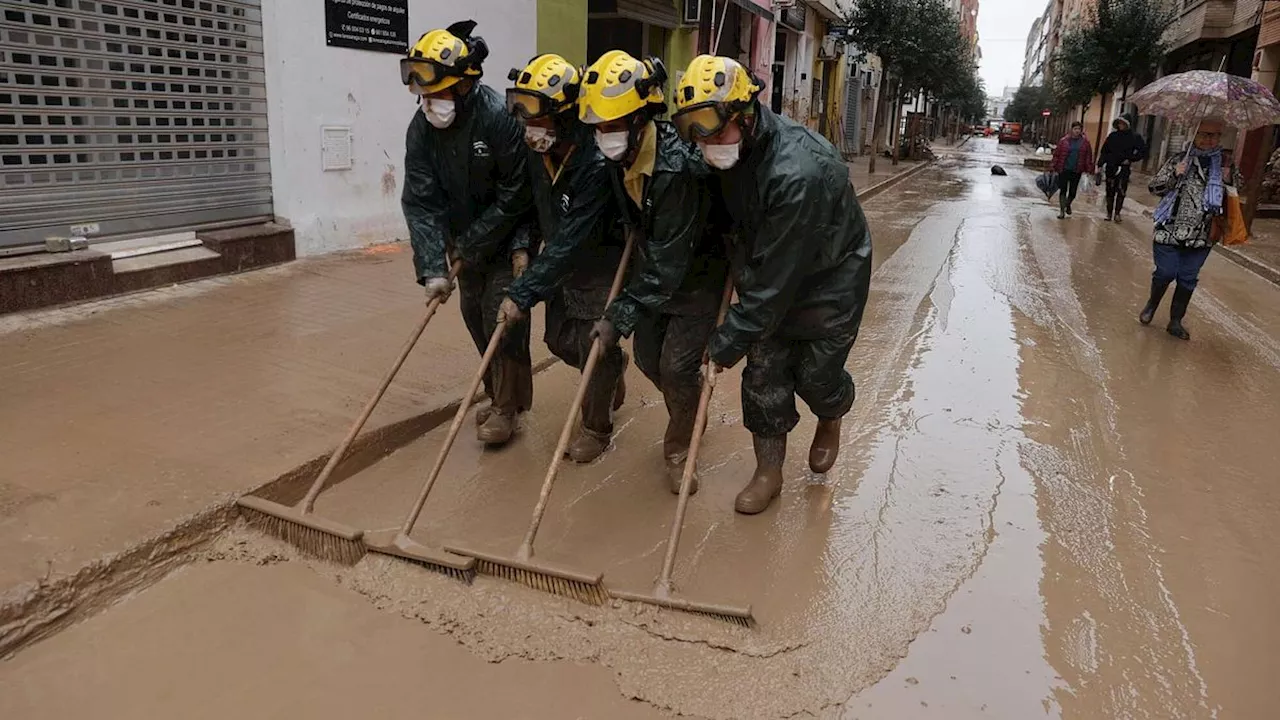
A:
(438, 288)
(519, 262)
(604, 331)
(510, 311)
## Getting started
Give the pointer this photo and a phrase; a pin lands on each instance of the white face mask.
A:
(720, 157)
(439, 112)
(612, 145)
(539, 139)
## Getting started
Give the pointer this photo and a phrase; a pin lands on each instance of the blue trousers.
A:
(1178, 263)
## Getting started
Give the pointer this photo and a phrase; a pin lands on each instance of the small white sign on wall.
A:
(335, 147)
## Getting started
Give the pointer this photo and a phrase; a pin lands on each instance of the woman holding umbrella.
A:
(1193, 191)
(1194, 187)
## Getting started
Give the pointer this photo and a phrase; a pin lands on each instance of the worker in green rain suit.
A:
(802, 269)
(466, 197)
(583, 239)
(672, 299)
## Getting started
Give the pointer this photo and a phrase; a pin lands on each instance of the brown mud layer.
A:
(1042, 509)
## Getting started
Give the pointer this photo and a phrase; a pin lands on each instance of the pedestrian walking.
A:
(1192, 190)
(1072, 159)
(466, 197)
(802, 266)
(1122, 148)
(673, 298)
(583, 240)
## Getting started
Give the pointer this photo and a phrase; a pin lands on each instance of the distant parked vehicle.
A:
(1011, 132)
(980, 132)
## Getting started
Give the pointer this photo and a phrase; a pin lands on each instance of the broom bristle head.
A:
(564, 587)
(313, 542)
(466, 577)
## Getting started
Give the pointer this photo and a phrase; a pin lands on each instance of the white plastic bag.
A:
(1088, 188)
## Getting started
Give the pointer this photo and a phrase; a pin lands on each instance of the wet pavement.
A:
(1042, 509)
(121, 416)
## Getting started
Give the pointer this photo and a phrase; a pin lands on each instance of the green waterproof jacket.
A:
(578, 220)
(682, 256)
(466, 188)
(803, 256)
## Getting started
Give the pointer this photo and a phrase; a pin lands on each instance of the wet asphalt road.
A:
(1042, 508)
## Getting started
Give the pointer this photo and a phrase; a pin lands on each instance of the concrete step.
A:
(163, 258)
(135, 247)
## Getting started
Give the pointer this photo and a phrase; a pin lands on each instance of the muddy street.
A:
(1041, 509)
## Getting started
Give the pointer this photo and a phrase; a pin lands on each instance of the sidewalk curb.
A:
(889, 182)
(1265, 271)
(38, 609)
(1261, 269)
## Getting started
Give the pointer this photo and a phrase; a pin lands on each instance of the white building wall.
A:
(311, 85)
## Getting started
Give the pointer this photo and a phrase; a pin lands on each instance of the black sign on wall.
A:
(379, 25)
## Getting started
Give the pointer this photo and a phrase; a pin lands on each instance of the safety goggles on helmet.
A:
(699, 122)
(423, 73)
(528, 104)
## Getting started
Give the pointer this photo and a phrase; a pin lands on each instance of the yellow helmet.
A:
(712, 91)
(548, 85)
(617, 85)
(442, 58)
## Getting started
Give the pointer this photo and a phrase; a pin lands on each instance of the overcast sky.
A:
(1002, 33)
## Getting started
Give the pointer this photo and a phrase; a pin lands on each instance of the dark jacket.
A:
(466, 188)
(1084, 165)
(680, 257)
(579, 221)
(803, 254)
(1122, 145)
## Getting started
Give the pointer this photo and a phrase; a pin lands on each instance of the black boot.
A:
(1157, 294)
(1177, 311)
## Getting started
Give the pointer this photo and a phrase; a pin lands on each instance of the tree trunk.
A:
(877, 122)
(1098, 142)
(895, 130)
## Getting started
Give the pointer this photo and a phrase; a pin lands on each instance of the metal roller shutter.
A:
(131, 115)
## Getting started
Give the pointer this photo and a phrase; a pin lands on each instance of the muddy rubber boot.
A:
(766, 483)
(1108, 217)
(1062, 213)
(497, 429)
(620, 394)
(1177, 311)
(1153, 302)
(682, 407)
(675, 474)
(826, 445)
(587, 445)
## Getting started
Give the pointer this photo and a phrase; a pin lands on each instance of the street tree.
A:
(1130, 35)
(1028, 104)
(1079, 69)
(916, 42)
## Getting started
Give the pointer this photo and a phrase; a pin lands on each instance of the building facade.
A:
(135, 119)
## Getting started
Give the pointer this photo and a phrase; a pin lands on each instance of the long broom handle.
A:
(494, 341)
(308, 502)
(695, 444)
(588, 368)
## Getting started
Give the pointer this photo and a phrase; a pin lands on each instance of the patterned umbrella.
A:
(1192, 96)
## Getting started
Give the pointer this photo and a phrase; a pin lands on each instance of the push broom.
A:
(662, 594)
(523, 567)
(298, 524)
(396, 541)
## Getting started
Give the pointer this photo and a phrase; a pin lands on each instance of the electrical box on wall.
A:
(335, 148)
